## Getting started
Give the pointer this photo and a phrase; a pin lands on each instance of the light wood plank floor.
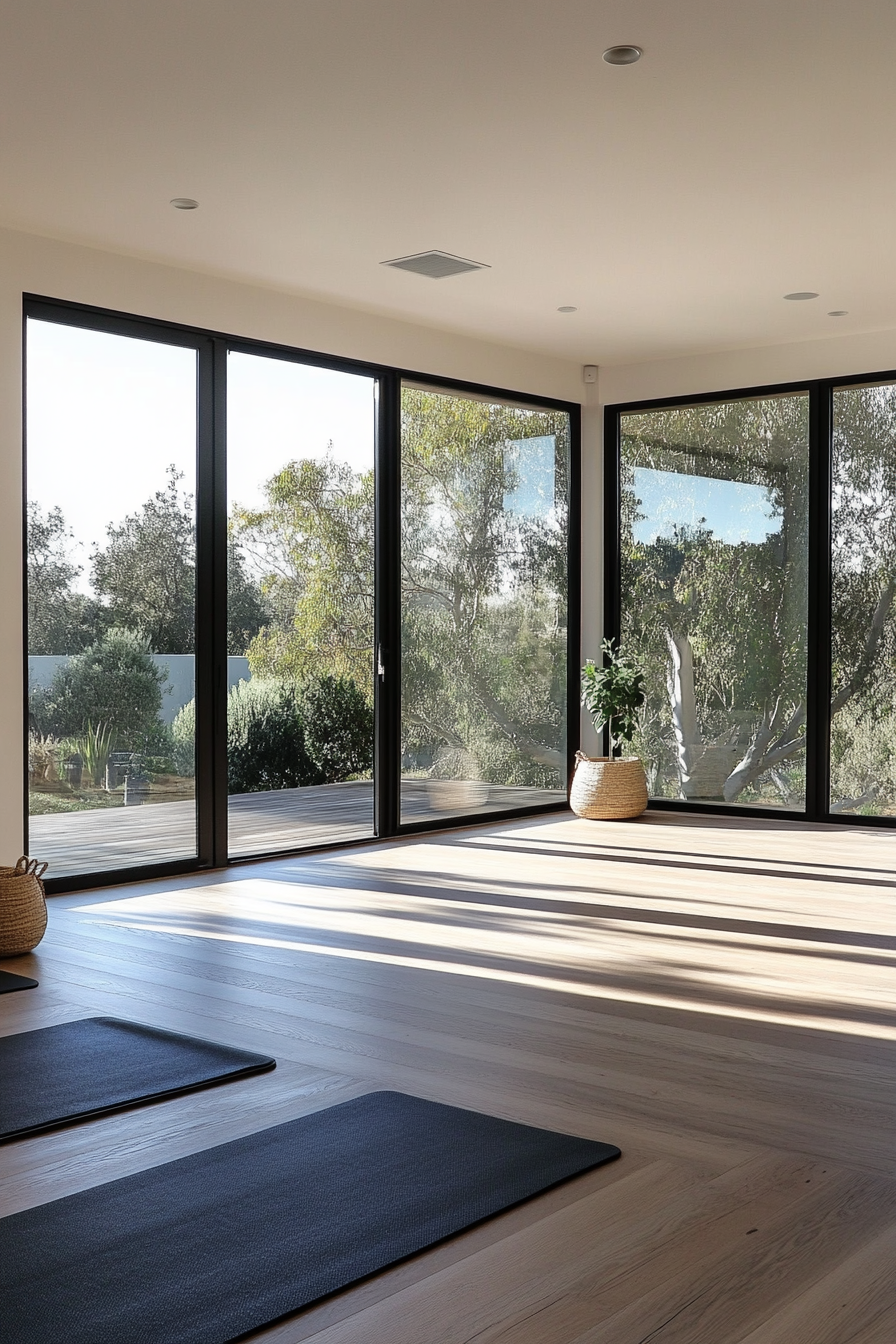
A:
(716, 996)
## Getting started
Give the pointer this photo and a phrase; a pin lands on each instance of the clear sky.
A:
(107, 415)
(278, 411)
(535, 463)
(732, 510)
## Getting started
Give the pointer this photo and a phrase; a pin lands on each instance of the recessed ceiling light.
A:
(839, 312)
(185, 203)
(802, 294)
(567, 308)
(622, 55)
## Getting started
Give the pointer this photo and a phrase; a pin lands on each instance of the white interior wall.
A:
(724, 370)
(52, 269)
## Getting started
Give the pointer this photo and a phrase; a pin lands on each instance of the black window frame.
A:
(211, 591)
(820, 392)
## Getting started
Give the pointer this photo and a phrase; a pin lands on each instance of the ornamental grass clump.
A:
(95, 747)
(613, 694)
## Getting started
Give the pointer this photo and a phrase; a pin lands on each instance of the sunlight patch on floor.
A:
(682, 966)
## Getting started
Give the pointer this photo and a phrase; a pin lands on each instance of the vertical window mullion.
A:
(387, 606)
(818, 690)
(211, 607)
(612, 592)
(574, 590)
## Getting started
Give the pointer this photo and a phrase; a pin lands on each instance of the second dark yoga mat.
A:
(99, 1064)
(10, 982)
(206, 1249)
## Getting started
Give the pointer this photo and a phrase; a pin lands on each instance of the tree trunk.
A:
(680, 683)
(767, 751)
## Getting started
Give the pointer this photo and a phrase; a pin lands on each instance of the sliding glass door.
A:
(714, 593)
(300, 487)
(111, 578)
(751, 567)
(484, 604)
(278, 601)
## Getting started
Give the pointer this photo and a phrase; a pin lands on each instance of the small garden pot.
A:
(23, 907)
(136, 790)
(605, 790)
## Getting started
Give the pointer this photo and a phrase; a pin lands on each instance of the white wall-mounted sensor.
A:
(589, 373)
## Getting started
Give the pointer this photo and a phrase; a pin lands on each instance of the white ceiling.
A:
(750, 153)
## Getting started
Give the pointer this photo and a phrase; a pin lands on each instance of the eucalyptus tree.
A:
(146, 572)
(483, 582)
(61, 620)
(863, 626)
(720, 620)
(310, 548)
(146, 575)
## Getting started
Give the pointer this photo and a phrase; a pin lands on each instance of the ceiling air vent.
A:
(436, 264)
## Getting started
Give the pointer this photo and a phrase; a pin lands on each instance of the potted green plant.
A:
(611, 787)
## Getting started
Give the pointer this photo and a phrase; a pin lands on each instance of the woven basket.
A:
(23, 907)
(606, 790)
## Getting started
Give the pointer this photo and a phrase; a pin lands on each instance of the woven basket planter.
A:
(606, 790)
(23, 907)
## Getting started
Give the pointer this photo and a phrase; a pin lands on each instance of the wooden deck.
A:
(714, 995)
(260, 823)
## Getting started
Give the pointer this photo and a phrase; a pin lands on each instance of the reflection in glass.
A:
(714, 533)
(484, 605)
(111, 471)
(863, 627)
(300, 477)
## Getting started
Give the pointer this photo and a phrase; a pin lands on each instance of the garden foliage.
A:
(732, 610)
(484, 582)
(281, 735)
(613, 693)
(113, 683)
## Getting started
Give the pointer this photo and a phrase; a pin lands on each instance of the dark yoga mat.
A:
(211, 1247)
(9, 982)
(99, 1064)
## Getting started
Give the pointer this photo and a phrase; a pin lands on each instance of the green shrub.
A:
(159, 751)
(266, 739)
(44, 756)
(863, 756)
(283, 736)
(54, 804)
(114, 682)
(183, 733)
(338, 725)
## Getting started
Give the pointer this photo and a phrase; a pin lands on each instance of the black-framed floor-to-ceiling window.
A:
(278, 601)
(751, 567)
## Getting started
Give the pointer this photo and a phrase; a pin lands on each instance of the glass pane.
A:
(300, 464)
(863, 626)
(484, 615)
(111, 472)
(714, 587)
